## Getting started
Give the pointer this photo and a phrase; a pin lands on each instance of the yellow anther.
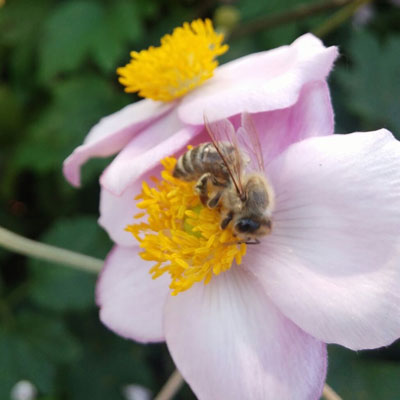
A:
(184, 61)
(181, 236)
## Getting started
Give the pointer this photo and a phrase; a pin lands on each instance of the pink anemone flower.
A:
(285, 87)
(327, 273)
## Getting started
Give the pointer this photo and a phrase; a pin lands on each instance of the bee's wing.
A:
(249, 141)
(223, 136)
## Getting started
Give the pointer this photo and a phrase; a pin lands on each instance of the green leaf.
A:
(60, 287)
(77, 105)
(80, 29)
(353, 376)
(109, 361)
(125, 18)
(31, 348)
(167, 23)
(2, 255)
(107, 48)
(12, 30)
(372, 83)
(69, 33)
(10, 114)
(279, 36)
(21, 24)
(123, 23)
(148, 8)
(239, 48)
(49, 337)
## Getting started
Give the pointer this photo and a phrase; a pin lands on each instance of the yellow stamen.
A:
(180, 235)
(184, 61)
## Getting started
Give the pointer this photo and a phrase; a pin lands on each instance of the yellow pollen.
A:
(184, 61)
(181, 236)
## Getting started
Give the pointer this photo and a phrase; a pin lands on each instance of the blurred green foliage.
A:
(60, 288)
(372, 83)
(57, 79)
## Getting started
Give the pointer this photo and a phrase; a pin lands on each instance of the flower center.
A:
(180, 235)
(184, 61)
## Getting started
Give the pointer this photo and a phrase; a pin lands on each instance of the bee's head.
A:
(247, 228)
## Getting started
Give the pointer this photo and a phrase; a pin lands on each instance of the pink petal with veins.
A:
(131, 302)
(265, 81)
(331, 264)
(230, 342)
(112, 133)
(161, 139)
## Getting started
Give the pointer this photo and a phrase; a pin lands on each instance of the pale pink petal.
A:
(131, 302)
(259, 82)
(230, 342)
(332, 262)
(116, 212)
(162, 138)
(112, 133)
(311, 115)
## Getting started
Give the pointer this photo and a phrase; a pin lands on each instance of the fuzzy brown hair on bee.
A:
(204, 165)
(229, 174)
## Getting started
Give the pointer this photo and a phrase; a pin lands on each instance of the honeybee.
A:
(230, 175)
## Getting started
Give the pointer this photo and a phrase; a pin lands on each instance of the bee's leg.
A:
(217, 197)
(215, 200)
(201, 188)
(216, 182)
(226, 220)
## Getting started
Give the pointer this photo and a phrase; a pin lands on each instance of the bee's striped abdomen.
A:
(198, 161)
(185, 167)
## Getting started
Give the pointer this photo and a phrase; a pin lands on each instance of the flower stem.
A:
(339, 17)
(175, 381)
(329, 394)
(285, 17)
(28, 247)
(171, 387)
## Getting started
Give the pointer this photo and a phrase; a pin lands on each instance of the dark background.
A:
(57, 78)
